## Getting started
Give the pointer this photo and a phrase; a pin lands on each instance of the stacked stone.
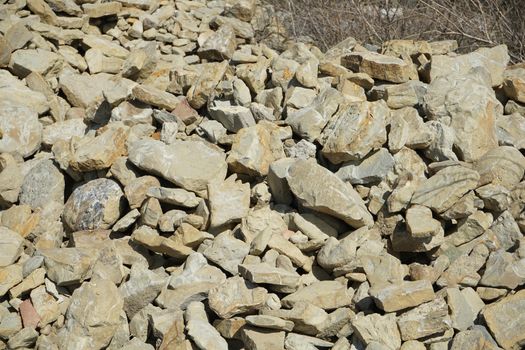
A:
(169, 180)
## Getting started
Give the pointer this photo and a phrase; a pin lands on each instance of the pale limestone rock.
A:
(108, 48)
(11, 179)
(383, 269)
(101, 151)
(44, 62)
(510, 130)
(465, 103)
(377, 328)
(503, 165)
(94, 312)
(236, 296)
(109, 8)
(371, 169)
(12, 244)
(283, 246)
(403, 295)
(254, 149)
(174, 196)
(63, 130)
(229, 202)
(262, 339)
(440, 149)
(191, 165)
(504, 231)
(495, 197)
(205, 336)
(204, 86)
(503, 269)
(469, 228)
(10, 276)
(355, 131)
(514, 84)
(151, 239)
(155, 97)
(45, 305)
(425, 320)
(308, 122)
(267, 274)
(336, 253)
(20, 130)
(136, 190)
(505, 319)
(270, 322)
(192, 283)
(98, 63)
(308, 181)
(445, 188)
(494, 60)
(23, 339)
(219, 46)
(464, 307)
(307, 318)
(66, 266)
(227, 252)
(380, 67)
(324, 294)
(33, 280)
(420, 223)
(476, 338)
(141, 289)
(259, 226)
(233, 118)
(15, 93)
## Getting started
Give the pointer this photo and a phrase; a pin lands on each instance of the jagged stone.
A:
(236, 296)
(355, 131)
(404, 295)
(505, 320)
(308, 182)
(380, 67)
(425, 320)
(191, 165)
(445, 188)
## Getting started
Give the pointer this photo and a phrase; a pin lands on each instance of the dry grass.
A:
(473, 23)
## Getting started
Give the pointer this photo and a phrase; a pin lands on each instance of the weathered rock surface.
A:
(97, 204)
(317, 188)
(189, 164)
(183, 175)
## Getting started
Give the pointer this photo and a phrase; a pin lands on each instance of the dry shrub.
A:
(473, 23)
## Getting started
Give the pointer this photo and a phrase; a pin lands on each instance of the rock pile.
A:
(168, 181)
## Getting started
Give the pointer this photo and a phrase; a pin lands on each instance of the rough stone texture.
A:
(316, 188)
(355, 131)
(12, 245)
(236, 296)
(466, 103)
(20, 129)
(93, 313)
(97, 204)
(43, 184)
(505, 320)
(101, 151)
(401, 296)
(425, 320)
(494, 60)
(445, 188)
(189, 164)
(185, 175)
(380, 67)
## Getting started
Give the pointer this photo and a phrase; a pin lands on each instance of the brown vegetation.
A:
(473, 23)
